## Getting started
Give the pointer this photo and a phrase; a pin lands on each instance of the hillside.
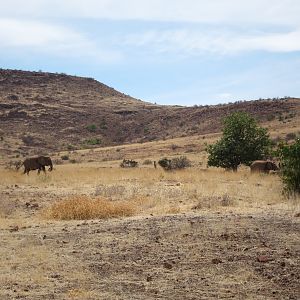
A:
(46, 112)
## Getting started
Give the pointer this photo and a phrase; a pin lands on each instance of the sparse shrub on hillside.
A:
(177, 163)
(243, 141)
(70, 147)
(65, 157)
(91, 128)
(290, 167)
(84, 208)
(93, 141)
(103, 125)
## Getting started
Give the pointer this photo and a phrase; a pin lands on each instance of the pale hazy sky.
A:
(166, 51)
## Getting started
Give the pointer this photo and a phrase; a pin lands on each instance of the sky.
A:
(183, 52)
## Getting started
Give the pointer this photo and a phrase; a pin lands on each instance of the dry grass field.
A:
(145, 233)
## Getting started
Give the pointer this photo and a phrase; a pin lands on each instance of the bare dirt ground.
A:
(196, 234)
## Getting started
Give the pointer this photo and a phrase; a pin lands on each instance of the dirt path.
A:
(186, 256)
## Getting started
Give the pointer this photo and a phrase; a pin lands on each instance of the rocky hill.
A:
(45, 112)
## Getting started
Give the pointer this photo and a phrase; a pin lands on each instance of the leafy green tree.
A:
(243, 141)
(290, 167)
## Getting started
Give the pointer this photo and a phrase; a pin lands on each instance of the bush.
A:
(128, 163)
(94, 141)
(70, 147)
(84, 208)
(180, 162)
(175, 163)
(290, 167)
(243, 141)
(165, 163)
(91, 128)
(64, 157)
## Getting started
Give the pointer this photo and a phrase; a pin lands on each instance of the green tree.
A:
(290, 167)
(243, 141)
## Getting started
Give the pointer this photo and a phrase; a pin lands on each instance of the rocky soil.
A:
(193, 255)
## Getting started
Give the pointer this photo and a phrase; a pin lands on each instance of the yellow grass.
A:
(84, 208)
(113, 191)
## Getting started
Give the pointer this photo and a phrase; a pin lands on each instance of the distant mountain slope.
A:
(42, 112)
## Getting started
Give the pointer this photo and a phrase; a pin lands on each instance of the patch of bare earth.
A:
(187, 256)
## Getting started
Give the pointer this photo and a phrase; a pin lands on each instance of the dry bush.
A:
(176, 163)
(84, 208)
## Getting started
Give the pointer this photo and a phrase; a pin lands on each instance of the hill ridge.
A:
(42, 112)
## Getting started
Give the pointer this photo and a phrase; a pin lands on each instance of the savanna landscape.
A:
(93, 230)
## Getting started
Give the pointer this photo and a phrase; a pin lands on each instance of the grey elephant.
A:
(37, 163)
(264, 166)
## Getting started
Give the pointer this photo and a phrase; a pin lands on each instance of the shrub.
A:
(64, 157)
(91, 128)
(290, 167)
(70, 147)
(103, 125)
(175, 163)
(165, 163)
(128, 163)
(180, 162)
(84, 208)
(94, 141)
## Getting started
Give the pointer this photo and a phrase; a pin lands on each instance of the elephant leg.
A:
(44, 169)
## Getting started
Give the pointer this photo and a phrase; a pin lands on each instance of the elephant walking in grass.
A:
(37, 163)
(263, 166)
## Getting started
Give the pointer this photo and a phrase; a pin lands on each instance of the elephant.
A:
(37, 163)
(264, 166)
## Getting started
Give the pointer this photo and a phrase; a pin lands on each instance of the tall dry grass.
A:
(146, 190)
(84, 208)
